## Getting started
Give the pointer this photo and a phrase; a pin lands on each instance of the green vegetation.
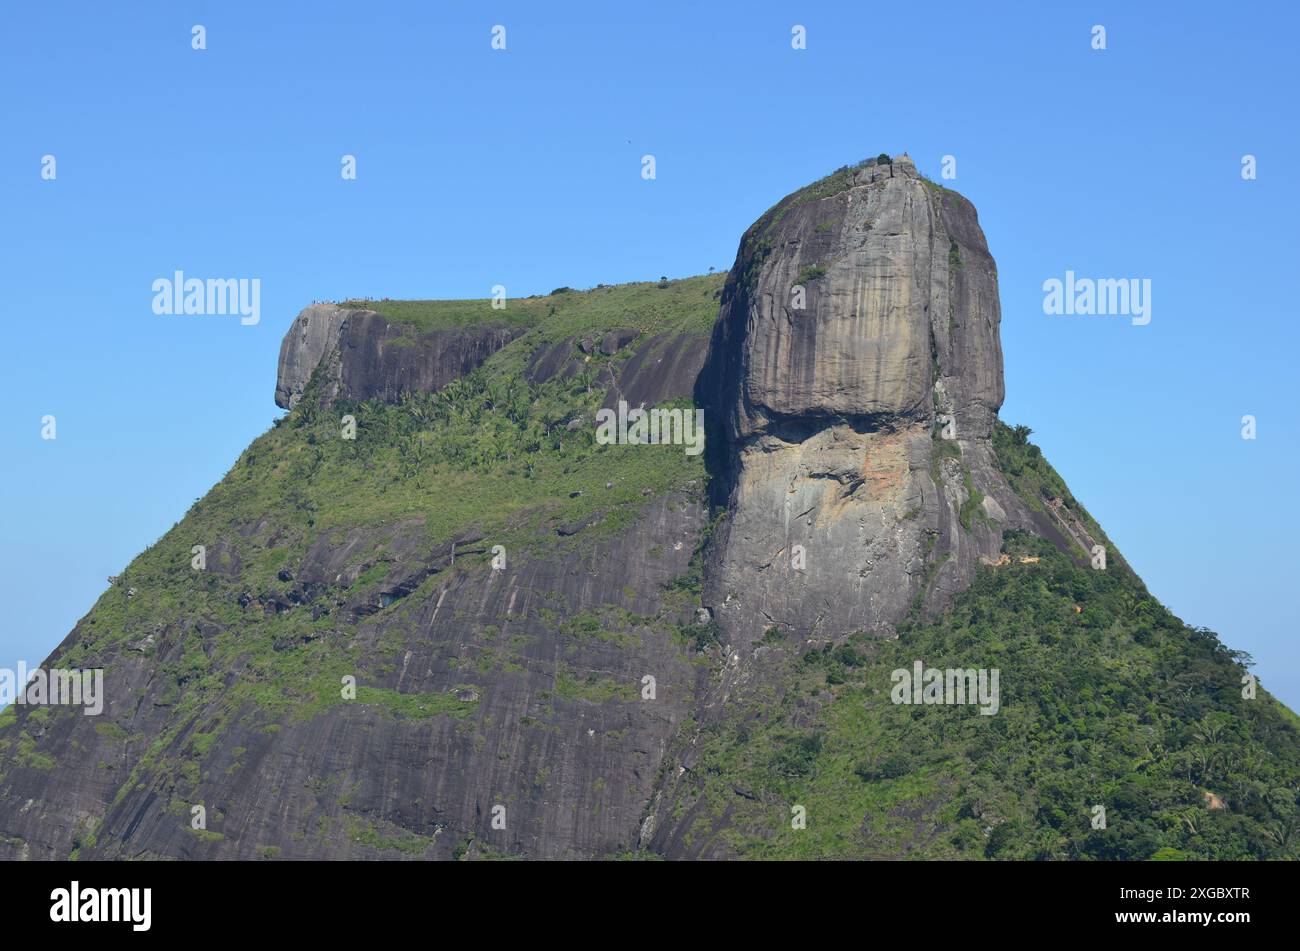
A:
(416, 706)
(1119, 704)
(111, 730)
(971, 508)
(26, 754)
(1035, 481)
(593, 688)
(1023, 461)
(1105, 699)
(688, 305)
(368, 832)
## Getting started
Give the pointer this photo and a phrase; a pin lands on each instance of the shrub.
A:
(797, 757)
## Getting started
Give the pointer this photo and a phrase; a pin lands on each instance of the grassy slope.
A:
(1106, 699)
(649, 306)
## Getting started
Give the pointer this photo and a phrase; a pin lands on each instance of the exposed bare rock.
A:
(860, 322)
(367, 356)
(313, 334)
(576, 769)
(551, 360)
(616, 340)
(663, 368)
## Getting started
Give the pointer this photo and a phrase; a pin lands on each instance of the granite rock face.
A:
(573, 773)
(662, 368)
(852, 382)
(366, 356)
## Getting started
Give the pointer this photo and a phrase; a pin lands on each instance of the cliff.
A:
(364, 355)
(858, 334)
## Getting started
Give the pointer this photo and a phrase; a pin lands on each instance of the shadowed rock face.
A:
(663, 368)
(860, 312)
(365, 356)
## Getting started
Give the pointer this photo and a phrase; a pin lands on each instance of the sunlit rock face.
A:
(853, 378)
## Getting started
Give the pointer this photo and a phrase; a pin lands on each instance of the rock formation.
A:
(854, 375)
(367, 356)
(562, 649)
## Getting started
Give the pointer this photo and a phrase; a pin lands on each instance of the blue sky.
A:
(478, 167)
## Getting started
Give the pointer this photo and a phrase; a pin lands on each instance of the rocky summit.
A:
(430, 615)
(860, 313)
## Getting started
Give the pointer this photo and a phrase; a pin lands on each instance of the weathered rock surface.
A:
(574, 770)
(859, 322)
(367, 356)
(663, 368)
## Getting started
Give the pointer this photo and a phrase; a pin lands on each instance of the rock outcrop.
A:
(662, 368)
(367, 356)
(853, 378)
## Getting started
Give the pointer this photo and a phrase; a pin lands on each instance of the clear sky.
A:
(522, 167)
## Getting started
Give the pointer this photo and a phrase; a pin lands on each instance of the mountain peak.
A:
(562, 645)
(853, 379)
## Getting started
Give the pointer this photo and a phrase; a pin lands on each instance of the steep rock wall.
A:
(367, 356)
(858, 330)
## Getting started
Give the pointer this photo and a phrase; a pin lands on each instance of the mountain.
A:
(449, 607)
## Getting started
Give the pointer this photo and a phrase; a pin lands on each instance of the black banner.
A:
(306, 899)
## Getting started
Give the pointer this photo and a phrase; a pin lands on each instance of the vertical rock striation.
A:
(858, 328)
(366, 356)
